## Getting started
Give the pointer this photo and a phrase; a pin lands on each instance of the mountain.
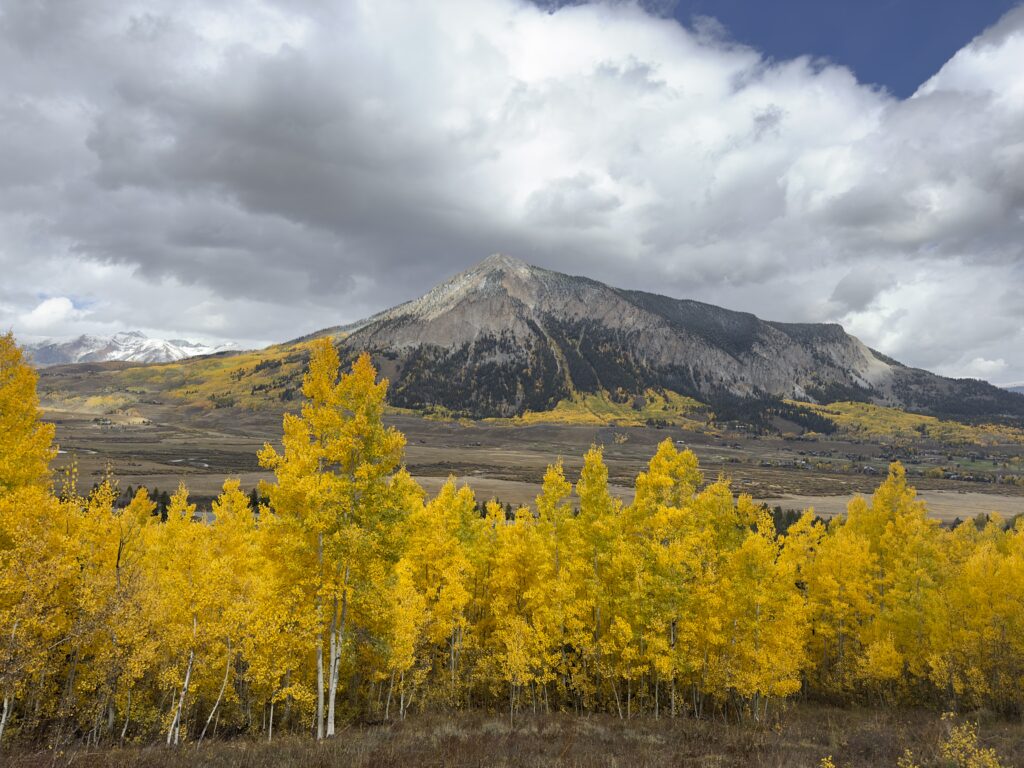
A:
(1019, 389)
(506, 337)
(132, 346)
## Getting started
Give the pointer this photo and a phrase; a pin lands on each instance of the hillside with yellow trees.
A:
(350, 596)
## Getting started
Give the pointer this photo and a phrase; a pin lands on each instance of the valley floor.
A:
(803, 736)
(165, 444)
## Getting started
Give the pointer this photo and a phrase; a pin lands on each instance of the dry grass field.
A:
(161, 443)
(800, 738)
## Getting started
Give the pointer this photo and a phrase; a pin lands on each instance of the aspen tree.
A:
(599, 523)
(35, 552)
(232, 564)
(185, 608)
(438, 567)
(522, 644)
(26, 443)
(559, 531)
(332, 483)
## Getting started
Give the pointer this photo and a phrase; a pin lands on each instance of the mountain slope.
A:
(505, 337)
(508, 339)
(132, 346)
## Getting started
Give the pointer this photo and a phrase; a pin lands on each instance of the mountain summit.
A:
(505, 337)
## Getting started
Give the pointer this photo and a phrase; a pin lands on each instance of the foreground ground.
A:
(802, 737)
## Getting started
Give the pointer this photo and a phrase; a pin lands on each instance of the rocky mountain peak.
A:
(502, 262)
(504, 337)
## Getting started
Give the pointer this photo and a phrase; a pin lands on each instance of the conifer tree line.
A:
(351, 595)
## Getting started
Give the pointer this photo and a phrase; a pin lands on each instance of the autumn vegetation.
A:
(351, 597)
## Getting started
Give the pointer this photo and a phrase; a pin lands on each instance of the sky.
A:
(255, 170)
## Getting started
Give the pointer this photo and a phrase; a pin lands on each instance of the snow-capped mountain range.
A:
(131, 346)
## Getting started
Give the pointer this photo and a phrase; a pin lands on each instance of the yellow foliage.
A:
(352, 594)
(661, 406)
(879, 422)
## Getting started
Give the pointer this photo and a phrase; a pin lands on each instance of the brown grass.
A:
(802, 736)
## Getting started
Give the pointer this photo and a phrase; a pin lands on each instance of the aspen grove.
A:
(351, 595)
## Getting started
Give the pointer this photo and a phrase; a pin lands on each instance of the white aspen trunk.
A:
(332, 675)
(94, 735)
(452, 659)
(3, 717)
(220, 696)
(127, 715)
(401, 697)
(320, 648)
(173, 735)
(320, 687)
(391, 688)
(337, 638)
(270, 727)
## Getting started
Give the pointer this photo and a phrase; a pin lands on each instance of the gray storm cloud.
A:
(257, 170)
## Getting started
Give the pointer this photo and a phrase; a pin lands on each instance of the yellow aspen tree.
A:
(183, 604)
(558, 527)
(108, 554)
(409, 615)
(599, 526)
(233, 558)
(436, 561)
(283, 629)
(842, 584)
(134, 643)
(26, 442)
(36, 566)
(525, 630)
(977, 643)
(38, 572)
(333, 484)
(652, 523)
(481, 547)
(766, 616)
(910, 559)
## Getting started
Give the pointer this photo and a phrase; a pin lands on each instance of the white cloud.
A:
(981, 368)
(259, 169)
(51, 315)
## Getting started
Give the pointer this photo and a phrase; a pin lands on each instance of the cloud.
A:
(50, 315)
(257, 170)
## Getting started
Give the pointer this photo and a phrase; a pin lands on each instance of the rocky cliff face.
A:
(505, 337)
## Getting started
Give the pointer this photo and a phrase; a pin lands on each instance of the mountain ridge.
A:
(505, 337)
(125, 346)
(509, 340)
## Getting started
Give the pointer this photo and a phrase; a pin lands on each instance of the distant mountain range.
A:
(1019, 388)
(131, 346)
(506, 337)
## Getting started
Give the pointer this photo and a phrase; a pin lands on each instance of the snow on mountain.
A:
(130, 346)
